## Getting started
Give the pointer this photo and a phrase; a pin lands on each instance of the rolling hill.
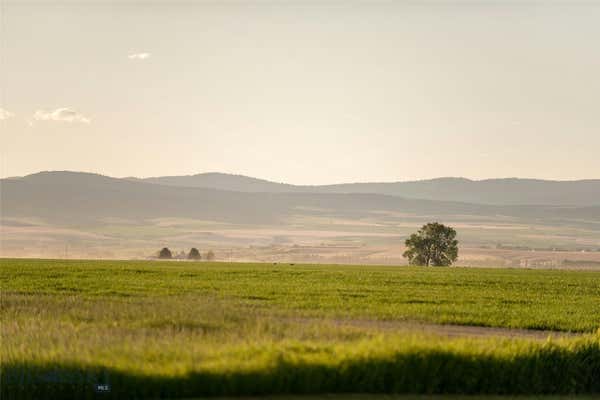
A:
(75, 198)
(508, 191)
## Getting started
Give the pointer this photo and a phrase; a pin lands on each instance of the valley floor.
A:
(378, 240)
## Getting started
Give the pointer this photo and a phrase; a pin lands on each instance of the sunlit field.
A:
(182, 329)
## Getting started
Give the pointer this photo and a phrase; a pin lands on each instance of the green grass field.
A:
(178, 329)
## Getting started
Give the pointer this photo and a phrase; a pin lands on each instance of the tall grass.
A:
(379, 365)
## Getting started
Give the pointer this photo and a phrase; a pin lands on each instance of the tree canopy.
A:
(194, 254)
(433, 245)
(165, 253)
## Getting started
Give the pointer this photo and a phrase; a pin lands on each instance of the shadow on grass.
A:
(552, 370)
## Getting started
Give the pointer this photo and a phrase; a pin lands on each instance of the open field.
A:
(377, 240)
(182, 329)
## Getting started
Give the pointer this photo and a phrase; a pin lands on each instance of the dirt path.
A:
(453, 331)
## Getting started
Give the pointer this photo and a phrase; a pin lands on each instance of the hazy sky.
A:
(303, 92)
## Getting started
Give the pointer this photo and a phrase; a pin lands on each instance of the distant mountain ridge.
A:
(218, 180)
(80, 198)
(502, 191)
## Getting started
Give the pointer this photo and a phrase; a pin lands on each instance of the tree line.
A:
(194, 254)
(434, 245)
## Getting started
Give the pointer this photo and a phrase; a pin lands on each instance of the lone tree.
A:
(433, 245)
(194, 254)
(165, 253)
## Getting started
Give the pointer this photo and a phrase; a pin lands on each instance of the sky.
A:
(305, 92)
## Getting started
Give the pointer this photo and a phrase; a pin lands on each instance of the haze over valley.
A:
(312, 96)
(501, 222)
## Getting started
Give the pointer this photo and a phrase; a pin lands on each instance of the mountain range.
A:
(506, 191)
(74, 198)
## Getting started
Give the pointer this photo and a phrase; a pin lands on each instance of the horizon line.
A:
(305, 185)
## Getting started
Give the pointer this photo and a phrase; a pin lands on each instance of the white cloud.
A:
(5, 114)
(61, 114)
(138, 56)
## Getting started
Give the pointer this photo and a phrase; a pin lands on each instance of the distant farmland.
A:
(189, 329)
(81, 215)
